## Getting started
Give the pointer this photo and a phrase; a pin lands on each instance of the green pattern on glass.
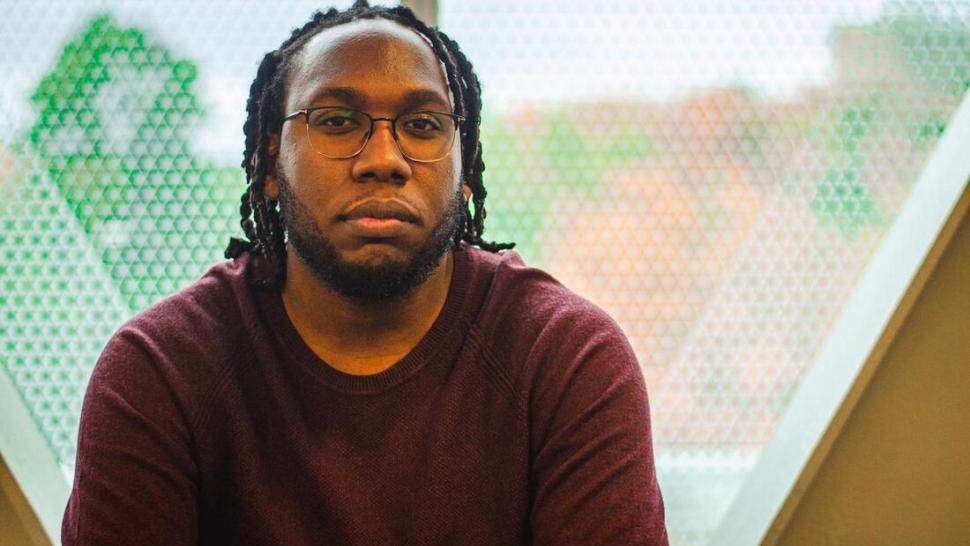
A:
(105, 211)
(112, 132)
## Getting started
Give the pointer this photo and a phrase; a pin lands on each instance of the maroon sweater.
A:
(521, 417)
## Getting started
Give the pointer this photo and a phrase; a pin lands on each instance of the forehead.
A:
(380, 61)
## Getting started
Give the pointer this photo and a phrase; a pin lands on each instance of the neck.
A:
(361, 337)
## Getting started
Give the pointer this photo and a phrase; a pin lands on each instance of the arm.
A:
(593, 472)
(135, 477)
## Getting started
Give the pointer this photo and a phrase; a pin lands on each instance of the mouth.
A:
(380, 219)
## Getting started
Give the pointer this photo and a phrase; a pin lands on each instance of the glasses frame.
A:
(370, 132)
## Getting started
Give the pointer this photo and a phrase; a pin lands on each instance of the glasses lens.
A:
(425, 136)
(337, 132)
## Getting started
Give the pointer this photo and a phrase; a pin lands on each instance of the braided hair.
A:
(261, 221)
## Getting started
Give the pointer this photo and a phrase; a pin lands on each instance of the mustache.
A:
(381, 208)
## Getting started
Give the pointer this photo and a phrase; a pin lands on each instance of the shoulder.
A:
(526, 309)
(207, 306)
(184, 343)
(562, 353)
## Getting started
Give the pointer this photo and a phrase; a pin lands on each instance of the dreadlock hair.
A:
(261, 221)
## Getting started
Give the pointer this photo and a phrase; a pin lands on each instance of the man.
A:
(372, 377)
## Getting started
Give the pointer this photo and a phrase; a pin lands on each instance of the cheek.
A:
(452, 167)
(298, 158)
(312, 179)
(450, 176)
(455, 158)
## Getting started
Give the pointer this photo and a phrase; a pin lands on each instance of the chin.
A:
(374, 271)
(375, 255)
(380, 274)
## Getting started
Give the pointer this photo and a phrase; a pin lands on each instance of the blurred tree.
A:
(114, 116)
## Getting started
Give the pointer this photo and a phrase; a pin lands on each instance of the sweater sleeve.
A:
(593, 472)
(135, 475)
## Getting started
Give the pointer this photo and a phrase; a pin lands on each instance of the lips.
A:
(386, 209)
(380, 219)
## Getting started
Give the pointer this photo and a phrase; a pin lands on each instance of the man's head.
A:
(384, 63)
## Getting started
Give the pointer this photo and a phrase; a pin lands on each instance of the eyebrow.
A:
(410, 99)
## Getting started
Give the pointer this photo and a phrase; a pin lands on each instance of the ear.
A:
(271, 188)
(466, 190)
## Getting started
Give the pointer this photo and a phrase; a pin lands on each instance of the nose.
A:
(381, 159)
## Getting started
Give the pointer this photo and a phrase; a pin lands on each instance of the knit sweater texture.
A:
(521, 417)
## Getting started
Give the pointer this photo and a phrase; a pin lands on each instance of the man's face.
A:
(383, 69)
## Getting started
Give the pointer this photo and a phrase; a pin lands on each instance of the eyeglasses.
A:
(341, 133)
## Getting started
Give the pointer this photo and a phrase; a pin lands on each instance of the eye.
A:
(423, 124)
(334, 121)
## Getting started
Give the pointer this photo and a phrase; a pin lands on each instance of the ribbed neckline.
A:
(446, 325)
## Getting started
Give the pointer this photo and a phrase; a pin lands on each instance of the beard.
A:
(384, 281)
